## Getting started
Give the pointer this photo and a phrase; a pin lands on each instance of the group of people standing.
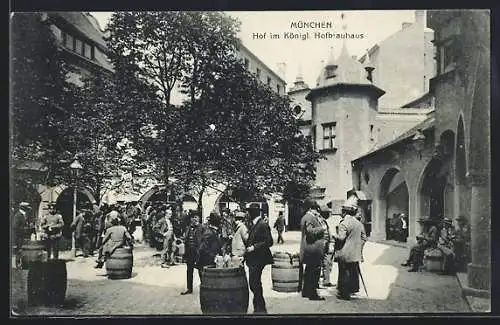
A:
(250, 243)
(327, 239)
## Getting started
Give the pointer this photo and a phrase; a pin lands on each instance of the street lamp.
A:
(76, 168)
(419, 142)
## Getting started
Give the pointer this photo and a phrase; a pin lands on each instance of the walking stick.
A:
(362, 280)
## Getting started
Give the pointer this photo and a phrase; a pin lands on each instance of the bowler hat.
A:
(239, 215)
(324, 208)
(447, 221)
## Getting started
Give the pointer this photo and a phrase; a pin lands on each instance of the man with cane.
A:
(350, 238)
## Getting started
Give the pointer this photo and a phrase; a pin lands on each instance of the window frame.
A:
(329, 135)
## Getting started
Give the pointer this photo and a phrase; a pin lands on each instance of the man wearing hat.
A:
(19, 220)
(191, 241)
(280, 225)
(258, 255)
(426, 239)
(314, 232)
(52, 224)
(240, 237)
(351, 238)
(446, 241)
(332, 222)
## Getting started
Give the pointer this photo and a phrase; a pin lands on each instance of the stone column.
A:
(413, 216)
(378, 220)
(479, 270)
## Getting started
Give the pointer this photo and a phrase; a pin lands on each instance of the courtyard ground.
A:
(156, 291)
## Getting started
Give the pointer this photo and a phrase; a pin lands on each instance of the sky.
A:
(306, 55)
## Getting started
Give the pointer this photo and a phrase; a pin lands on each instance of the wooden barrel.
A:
(47, 282)
(224, 291)
(285, 272)
(33, 252)
(434, 260)
(119, 264)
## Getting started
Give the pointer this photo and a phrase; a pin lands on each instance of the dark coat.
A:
(52, 225)
(279, 224)
(314, 238)
(352, 237)
(210, 246)
(192, 239)
(259, 236)
(18, 227)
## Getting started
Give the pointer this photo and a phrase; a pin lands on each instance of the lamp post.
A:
(76, 168)
(419, 142)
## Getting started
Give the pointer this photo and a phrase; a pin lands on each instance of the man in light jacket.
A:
(351, 238)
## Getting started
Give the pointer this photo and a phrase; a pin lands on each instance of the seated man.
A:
(446, 245)
(426, 239)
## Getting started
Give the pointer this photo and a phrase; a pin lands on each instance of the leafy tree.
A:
(40, 93)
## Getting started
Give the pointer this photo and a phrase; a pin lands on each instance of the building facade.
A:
(444, 162)
(404, 62)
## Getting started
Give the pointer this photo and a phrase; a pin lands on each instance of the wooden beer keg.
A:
(32, 252)
(285, 272)
(224, 291)
(119, 264)
(47, 282)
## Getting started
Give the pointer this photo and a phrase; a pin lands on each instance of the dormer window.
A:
(330, 71)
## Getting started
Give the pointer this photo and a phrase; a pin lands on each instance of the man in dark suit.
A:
(351, 237)
(258, 255)
(19, 229)
(313, 244)
(191, 241)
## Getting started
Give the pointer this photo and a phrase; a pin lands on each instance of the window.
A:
(258, 73)
(68, 41)
(371, 132)
(87, 51)
(278, 89)
(269, 81)
(447, 58)
(247, 63)
(329, 136)
(78, 46)
(330, 71)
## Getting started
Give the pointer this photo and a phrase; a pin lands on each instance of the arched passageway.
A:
(64, 204)
(394, 201)
(432, 190)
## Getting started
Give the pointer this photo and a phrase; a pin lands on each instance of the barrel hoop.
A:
(120, 258)
(277, 266)
(289, 281)
(224, 289)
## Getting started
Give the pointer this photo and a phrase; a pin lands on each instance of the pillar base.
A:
(377, 236)
(479, 276)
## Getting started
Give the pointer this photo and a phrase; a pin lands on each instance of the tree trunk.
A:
(200, 200)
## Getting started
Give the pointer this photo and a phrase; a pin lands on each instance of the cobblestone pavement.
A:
(154, 290)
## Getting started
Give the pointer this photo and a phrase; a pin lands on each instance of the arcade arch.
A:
(393, 200)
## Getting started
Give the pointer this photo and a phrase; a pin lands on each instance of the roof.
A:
(416, 100)
(81, 22)
(348, 71)
(426, 124)
(256, 58)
